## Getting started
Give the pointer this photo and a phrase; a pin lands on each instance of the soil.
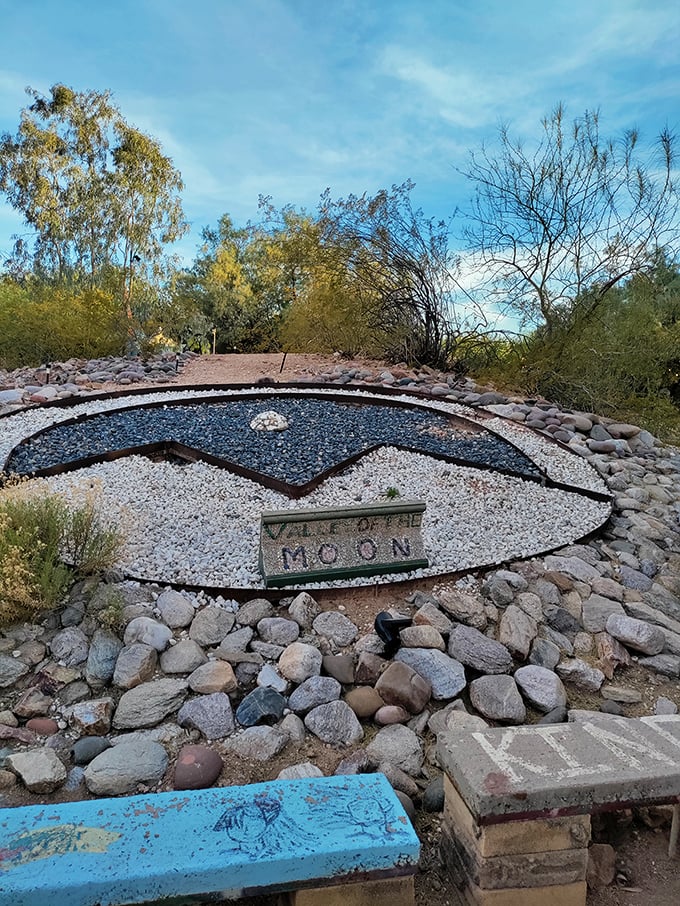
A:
(645, 874)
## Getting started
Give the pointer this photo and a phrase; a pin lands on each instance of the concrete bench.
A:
(518, 801)
(342, 836)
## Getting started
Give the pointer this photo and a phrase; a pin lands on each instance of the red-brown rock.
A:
(197, 768)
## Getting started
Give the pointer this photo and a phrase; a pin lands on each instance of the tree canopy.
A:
(99, 195)
(574, 217)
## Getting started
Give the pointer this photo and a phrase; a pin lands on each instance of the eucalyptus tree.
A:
(569, 219)
(98, 194)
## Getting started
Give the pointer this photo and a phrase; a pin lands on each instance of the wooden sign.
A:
(316, 545)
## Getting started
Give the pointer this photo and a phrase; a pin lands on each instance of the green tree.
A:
(99, 194)
(237, 283)
(568, 221)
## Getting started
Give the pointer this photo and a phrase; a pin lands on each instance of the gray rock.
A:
(293, 727)
(499, 590)
(300, 661)
(544, 653)
(236, 641)
(300, 771)
(304, 610)
(257, 743)
(261, 706)
(11, 669)
(452, 719)
(665, 664)
(517, 631)
(71, 646)
(270, 677)
(215, 676)
(621, 694)
(175, 610)
(636, 634)
(184, 657)
(135, 664)
(445, 675)
(210, 714)
(464, 608)
(433, 796)
(147, 704)
(148, 632)
(267, 649)
(422, 637)
(102, 656)
(665, 706)
(334, 723)
(40, 770)
(559, 619)
(572, 566)
(580, 675)
(498, 698)
(596, 611)
(87, 748)
(632, 578)
(119, 770)
(278, 630)
(253, 611)
(541, 687)
(336, 627)
(211, 625)
(399, 746)
(557, 638)
(531, 605)
(428, 614)
(474, 649)
(315, 691)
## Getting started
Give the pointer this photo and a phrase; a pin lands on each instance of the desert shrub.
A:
(32, 575)
(43, 324)
(44, 546)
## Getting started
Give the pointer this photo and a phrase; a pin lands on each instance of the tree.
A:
(236, 282)
(99, 194)
(570, 220)
(402, 260)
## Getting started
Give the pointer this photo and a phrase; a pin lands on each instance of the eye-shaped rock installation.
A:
(494, 489)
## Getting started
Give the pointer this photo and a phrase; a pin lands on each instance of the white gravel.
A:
(198, 524)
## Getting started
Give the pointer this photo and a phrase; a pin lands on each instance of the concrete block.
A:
(390, 892)
(556, 895)
(563, 768)
(513, 837)
(541, 869)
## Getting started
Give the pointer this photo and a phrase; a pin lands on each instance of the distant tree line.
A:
(574, 237)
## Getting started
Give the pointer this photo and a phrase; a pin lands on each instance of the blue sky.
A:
(287, 97)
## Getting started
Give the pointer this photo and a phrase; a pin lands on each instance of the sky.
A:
(288, 97)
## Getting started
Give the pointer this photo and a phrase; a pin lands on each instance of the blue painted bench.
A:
(284, 835)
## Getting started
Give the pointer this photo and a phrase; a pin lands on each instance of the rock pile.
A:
(190, 685)
(82, 377)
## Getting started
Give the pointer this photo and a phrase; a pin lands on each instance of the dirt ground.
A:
(645, 874)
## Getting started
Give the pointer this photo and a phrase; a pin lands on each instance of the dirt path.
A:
(236, 369)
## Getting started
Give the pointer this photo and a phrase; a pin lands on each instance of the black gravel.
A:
(321, 434)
